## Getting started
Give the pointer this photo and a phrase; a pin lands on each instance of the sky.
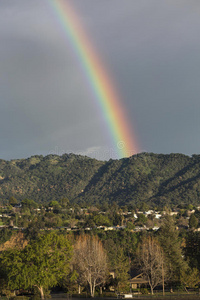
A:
(151, 51)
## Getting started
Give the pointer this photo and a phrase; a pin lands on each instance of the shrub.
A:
(144, 291)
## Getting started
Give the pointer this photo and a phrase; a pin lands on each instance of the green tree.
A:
(141, 220)
(64, 202)
(54, 203)
(192, 249)
(190, 206)
(130, 225)
(5, 234)
(12, 201)
(33, 229)
(42, 263)
(56, 206)
(102, 220)
(193, 221)
(118, 264)
(171, 244)
(29, 203)
(189, 278)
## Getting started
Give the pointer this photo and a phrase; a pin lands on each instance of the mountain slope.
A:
(146, 177)
(45, 178)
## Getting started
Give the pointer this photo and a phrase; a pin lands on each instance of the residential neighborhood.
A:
(76, 218)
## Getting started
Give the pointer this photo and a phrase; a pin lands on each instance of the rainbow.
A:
(105, 94)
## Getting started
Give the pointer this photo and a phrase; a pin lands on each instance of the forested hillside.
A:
(151, 178)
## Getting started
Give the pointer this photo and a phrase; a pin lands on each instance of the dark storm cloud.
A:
(154, 56)
(44, 103)
(151, 48)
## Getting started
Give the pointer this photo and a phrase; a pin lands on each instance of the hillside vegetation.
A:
(151, 178)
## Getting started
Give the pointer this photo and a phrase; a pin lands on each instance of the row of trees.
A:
(170, 258)
(157, 268)
(51, 260)
(85, 260)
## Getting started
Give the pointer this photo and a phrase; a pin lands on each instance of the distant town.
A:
(73, 218)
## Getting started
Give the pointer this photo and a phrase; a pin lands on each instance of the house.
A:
(138, 280)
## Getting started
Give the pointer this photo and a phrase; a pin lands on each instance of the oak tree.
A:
(41, 263)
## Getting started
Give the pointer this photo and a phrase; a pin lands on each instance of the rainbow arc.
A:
(105, 93)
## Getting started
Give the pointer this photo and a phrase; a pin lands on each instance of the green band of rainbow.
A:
(123, 139)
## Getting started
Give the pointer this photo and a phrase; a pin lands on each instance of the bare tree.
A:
(90, 261)
(151, 261)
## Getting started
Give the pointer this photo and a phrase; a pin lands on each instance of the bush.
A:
(144, 291)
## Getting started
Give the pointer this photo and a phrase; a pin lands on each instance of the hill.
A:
(146, 177)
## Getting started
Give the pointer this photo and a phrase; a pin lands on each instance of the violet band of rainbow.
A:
(105, 93)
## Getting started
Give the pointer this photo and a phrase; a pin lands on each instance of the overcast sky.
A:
(151, 48)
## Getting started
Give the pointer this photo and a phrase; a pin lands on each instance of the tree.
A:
(170, 242)
(64, 202)
(12, 201)
(118, 263)
(33, 229)
(151, 261)
(90, 261)
(141, 220)
(193, 221)
(29, 203)
(5, 234)
(102, 220)
(41, 263)
(54, 203)
(192, 249)
(189, 278)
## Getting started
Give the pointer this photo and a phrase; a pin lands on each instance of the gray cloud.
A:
(151, 49)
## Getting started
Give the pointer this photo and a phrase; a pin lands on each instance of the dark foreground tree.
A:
(90, 261)
(118, 264)
(171, 244)
(42, 263)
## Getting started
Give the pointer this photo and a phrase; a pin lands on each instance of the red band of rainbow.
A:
(120, 129)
